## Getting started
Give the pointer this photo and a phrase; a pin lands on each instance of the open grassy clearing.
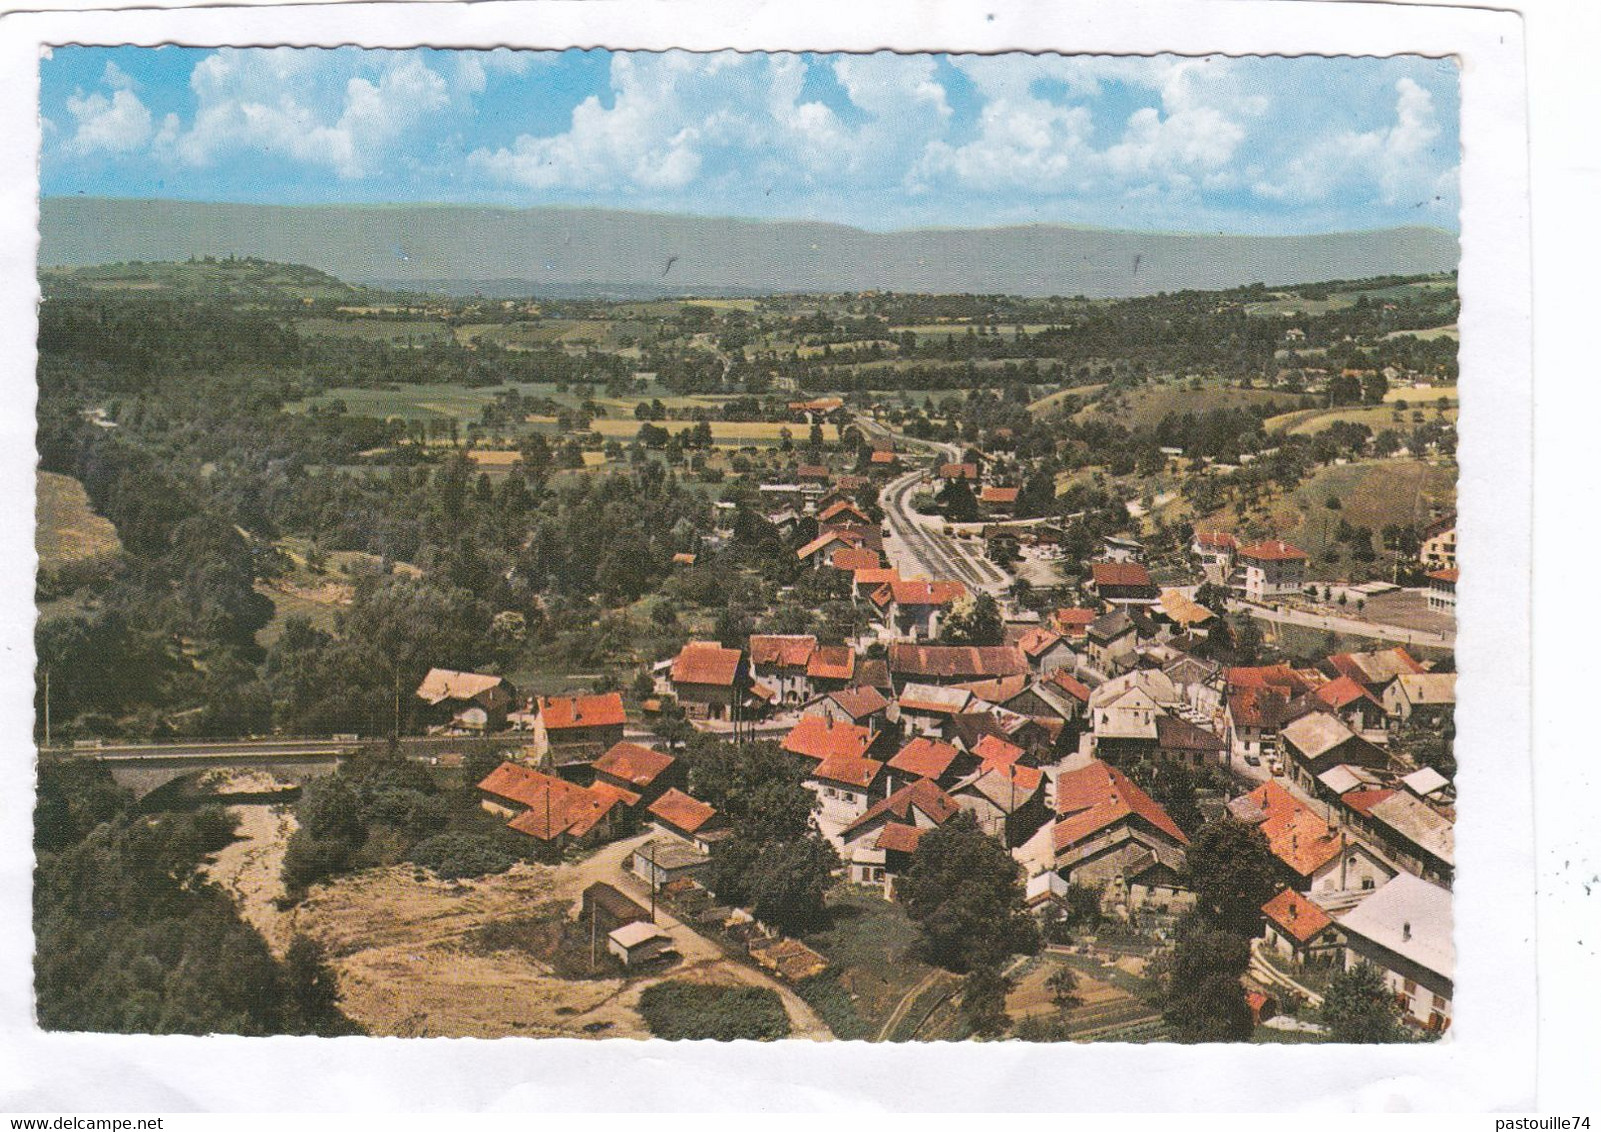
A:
(868, 944)
(1376, 417)
(1050, 401)
(1414, 396)
(68, 531)
(1289, 303)
(1427, 335)
(396, 332)
(728, 433)
(1146, 405)
(1372, 493)
(318, 596)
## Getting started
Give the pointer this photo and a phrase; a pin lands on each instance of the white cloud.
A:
(119, 124)
(677, 119)
(1393, 161)
(1030, 139)
(290, 102)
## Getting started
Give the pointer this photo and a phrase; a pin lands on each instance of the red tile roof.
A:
(1273, 550)
(1343, 692)
(855, 558)
(998, 495)
(1216, 540)
(961, 661)
(996, 691)
(706, 662)
(880, 456)
(924, 795)
(515, 783)
(831, 662)
(1363, 801)
(899, 838)
(811, 472)
(994, 752)
(1036, 641)
(784, 651)
(838, 508)
(818, 737)
(633, 763)
(1297, 836)
(1130, 574)
(860, 702)
(848, 769)
(554, 806)
(875, 577)
(925, 758)
(681, 811)
(1078, 690)
(1300, 919)
(1097, 796)
(1280, 677)
(918, 592)
(1073, 621)
(1259, 707)
(958, 471)
(1450, 575)
(561, 713)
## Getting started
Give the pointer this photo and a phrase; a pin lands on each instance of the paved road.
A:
(1348, 625)
(276, 749)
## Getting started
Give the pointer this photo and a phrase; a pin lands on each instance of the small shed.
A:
(638, 942)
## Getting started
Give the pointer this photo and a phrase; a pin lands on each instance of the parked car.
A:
(1253, 760)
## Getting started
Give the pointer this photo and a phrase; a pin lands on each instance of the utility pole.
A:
(653, 882)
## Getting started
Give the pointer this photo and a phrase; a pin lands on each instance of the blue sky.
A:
(1252, 145)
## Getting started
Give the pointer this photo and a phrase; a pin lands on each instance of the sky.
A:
(1160, 143)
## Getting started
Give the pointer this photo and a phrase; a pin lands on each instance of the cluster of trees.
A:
(1233, 873)
(775, 863)
(132, 937)
(676, 1010)
(965, 893)
(382, 808)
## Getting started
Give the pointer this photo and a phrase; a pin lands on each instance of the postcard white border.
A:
(1489, 1063)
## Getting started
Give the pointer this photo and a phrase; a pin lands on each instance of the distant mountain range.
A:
(613, 254)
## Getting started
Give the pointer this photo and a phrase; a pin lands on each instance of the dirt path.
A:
(249, 869)
(904, 1005)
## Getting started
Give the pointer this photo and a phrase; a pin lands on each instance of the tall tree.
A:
(965, 892)
(974, 620)
(1358, 1007)
(1232, 872)
(1204, 999)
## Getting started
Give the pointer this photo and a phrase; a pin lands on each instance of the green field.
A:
(1372, 493)
(726, 434)
(1305, 422)
(68, 531)
(394, 331)
(1146, 405)
(1050, 401)
(868, 945)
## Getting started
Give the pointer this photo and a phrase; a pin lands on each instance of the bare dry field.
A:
(69, 530)
(411, 954)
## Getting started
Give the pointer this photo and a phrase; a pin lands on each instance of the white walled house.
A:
(1404, 929)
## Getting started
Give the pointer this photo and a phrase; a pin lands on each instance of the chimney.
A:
(1406, 931)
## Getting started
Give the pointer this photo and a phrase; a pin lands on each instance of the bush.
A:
(454, 855)
(310, 859)
(679, 1011)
